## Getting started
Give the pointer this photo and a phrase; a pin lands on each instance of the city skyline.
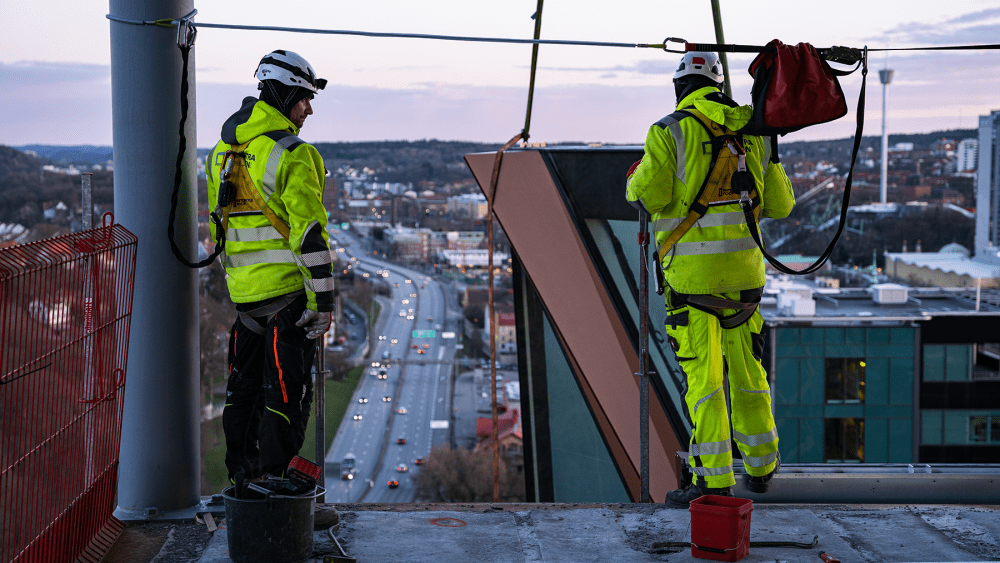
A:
(409, 89)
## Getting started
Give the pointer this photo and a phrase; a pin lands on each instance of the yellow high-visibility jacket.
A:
(718, 254)
(289, 174)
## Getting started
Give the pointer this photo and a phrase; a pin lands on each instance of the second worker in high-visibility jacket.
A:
(277, 262)
(714, 277)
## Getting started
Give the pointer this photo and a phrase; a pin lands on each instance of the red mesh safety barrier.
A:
(65, 306)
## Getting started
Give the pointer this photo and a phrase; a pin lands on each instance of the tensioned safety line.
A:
(170, 22)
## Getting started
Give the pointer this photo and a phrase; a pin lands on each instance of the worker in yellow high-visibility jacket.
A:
(278, 266)
(712, 274)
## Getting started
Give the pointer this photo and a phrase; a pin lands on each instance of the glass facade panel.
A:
(845, 380)
(901, 381)
(900, 440)
(811, 381)
(582, 468)
(933, 362)
(854, 336)
(877, 440)
(877, 335)
(616, 240)
(786, 381)
(957, 362)
(812, 335)
(844, 440)
(788, 438)
(835, 336)
(901, 335)
(811, 440)
(788, 336)
(956, 427)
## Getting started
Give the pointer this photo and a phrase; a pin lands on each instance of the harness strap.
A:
(713, 306)
(267, 310)
(710, 188)
(236, 151)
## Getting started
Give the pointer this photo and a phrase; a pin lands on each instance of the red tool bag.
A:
(793, 87)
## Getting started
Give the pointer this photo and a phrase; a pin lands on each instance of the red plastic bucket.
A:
(720, 528)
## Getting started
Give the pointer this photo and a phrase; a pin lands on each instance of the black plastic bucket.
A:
(264, 526)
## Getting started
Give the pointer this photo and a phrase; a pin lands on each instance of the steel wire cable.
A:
(170, 22)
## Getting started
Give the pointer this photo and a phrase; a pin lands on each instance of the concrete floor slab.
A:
(430, 536)
(897, 534)
(572, 533)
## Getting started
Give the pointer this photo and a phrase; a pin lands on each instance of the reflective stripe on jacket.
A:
(718, 254)
(290, 176)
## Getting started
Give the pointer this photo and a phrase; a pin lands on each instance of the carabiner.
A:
(674, 40)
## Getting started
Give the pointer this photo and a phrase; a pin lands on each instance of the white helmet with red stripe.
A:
(701, 63)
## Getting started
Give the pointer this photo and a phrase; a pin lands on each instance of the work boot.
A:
(325, 516)
(681, 498)
(763, 483)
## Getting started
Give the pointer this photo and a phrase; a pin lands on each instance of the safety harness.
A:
(239, 196)
(727, 183)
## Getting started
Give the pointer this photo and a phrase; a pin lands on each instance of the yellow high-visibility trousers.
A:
(700, 343)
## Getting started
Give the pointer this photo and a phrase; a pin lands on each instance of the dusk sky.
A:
(55, 75)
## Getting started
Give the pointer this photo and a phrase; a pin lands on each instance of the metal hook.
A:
(674, 40)
(186, 31)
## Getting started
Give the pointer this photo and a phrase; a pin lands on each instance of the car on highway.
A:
(382, 374)
(405, 302)
(393, 484)
(400, 441)
(415, 346)
(375, 364)
(421, 351)
(387, 399)
(401, 410)
(427, 346)
(394, 341)
(395, 285)
(402, 468)
(381, 337)
(413, 295)
(347, 467)
(409, 281)
(363, 400)
(409, 317)
(418, 461)
(430, 319)
(357, 417)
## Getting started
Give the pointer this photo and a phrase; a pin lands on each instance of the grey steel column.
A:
(160, 462)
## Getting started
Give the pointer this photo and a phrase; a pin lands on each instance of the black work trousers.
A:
(269, 393)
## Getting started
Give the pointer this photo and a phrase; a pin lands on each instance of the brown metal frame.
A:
(533, 212)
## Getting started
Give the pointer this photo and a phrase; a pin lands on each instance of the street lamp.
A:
(885, 77)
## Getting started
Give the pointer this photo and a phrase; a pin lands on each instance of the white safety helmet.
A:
(702, 63)
(289, 68)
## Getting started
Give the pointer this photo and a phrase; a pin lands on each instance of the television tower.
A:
(885, 77)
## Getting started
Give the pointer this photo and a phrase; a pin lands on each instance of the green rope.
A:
(534, 65)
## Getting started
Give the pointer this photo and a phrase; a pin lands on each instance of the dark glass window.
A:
(844, 440)
(983, 428)
(979, 429)
(845, 380)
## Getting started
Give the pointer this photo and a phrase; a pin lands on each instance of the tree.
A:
(460, 475)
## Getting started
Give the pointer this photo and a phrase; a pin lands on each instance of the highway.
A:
(412, 402)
